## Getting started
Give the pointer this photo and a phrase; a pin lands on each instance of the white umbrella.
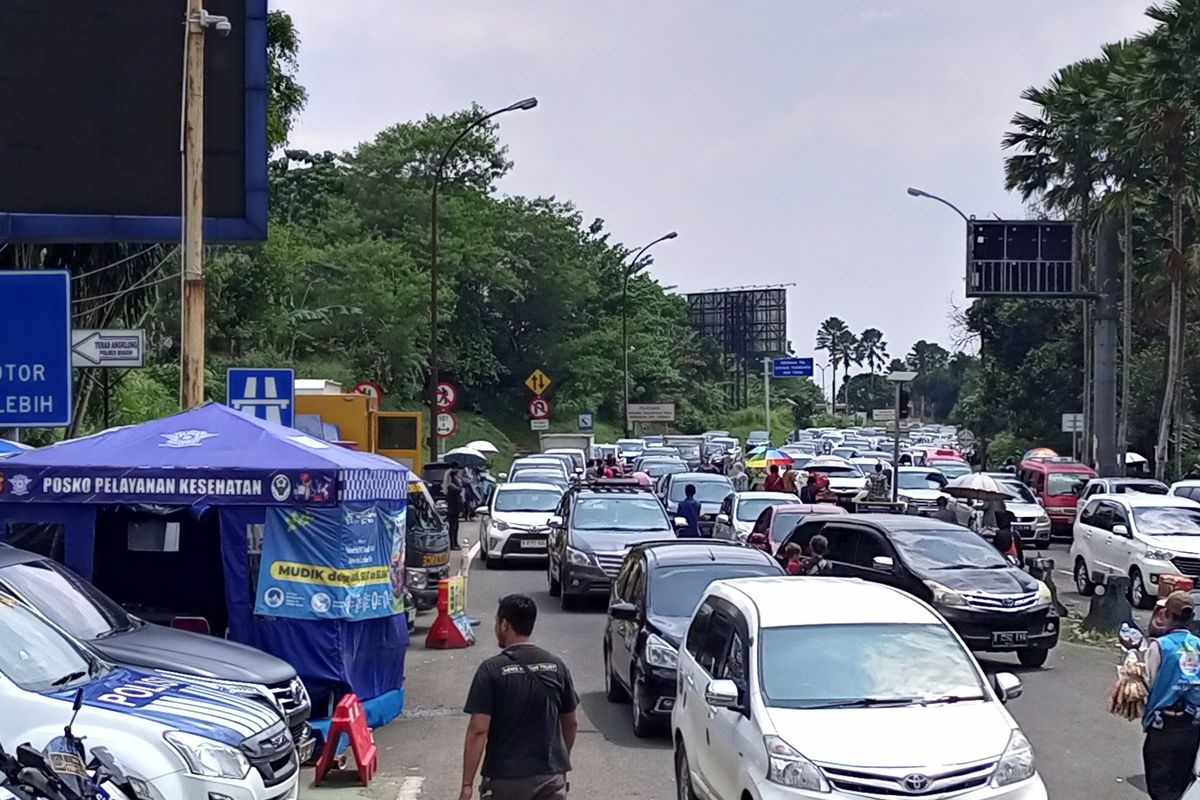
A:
(483, 446)
(1134, 458)
(976, 486)
(466, 456)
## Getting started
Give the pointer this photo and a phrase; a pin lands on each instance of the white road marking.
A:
(410, 788)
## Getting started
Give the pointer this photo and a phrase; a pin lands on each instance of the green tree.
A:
(872, 351)
(829, 338)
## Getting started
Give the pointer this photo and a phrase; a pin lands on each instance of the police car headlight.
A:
(1016, 764)
(208, 758)
(415, 578)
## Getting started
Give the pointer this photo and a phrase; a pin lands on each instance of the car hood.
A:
(916, 737)
(670, 628)
(615, 541)
(1009, 580)
(927, 495)
(524, 519)
(1024, 511)
(178, 705)
(1177, 543)
(159, 647)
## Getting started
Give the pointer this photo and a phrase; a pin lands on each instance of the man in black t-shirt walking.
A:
(522, 706)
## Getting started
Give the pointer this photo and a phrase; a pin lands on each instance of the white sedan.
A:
(736, 518)
(517, 522)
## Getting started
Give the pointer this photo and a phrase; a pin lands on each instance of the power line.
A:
(115, 263)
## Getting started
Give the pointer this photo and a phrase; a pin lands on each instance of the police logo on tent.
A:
(281, 488)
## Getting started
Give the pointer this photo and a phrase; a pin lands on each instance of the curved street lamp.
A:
(625, 323)
(521, 105)
(943, 201)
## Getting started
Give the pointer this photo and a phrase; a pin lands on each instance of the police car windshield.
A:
(70, 602)
(37, 657)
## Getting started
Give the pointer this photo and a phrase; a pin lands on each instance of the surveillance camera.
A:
(223, 27)
(217, 21)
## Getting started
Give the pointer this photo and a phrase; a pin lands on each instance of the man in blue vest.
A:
(689, 509)
(1173, 675)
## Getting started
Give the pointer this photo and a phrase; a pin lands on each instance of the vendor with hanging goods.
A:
(1170, 719)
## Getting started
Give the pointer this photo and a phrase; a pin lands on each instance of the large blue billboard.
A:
(35, 349)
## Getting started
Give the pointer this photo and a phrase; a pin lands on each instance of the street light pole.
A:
(431, 389)
(943, 201)
(898, 378)
(822, 368)
(625, 324)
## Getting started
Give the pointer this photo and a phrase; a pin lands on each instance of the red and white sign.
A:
(447, 396)
(447, 424)
(370, 389)
(539, 408)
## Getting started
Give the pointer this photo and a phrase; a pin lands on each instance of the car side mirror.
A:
(1120, 530)
(723, 519)
(623, 611)
(503, 476)
(722, 693)
(483, 511)
(1007, 686)
(578, 470)
(556, 521)
(883, 563)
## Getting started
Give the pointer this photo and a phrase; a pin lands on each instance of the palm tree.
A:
(925, 359)
(872, 351)
(846, 347)
(828, 336)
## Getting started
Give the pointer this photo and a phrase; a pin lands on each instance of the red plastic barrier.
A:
(452, 628)
(349, 719)
(1173, 583)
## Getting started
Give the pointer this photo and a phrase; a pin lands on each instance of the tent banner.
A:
(170, 487)
(337, 563)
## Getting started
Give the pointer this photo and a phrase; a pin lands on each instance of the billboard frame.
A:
(739, 318)
(19, 227)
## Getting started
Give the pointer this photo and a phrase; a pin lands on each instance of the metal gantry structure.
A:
(749, 323)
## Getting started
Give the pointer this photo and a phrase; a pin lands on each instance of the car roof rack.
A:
(615, 485)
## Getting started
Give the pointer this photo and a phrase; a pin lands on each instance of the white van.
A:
(176, 740)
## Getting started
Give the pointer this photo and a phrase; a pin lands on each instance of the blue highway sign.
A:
(587, 421)
(264, 393)
(35, 349)
(791, 367)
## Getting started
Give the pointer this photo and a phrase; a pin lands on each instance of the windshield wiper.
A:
(951, 698)
(70, 676)
(869, 702)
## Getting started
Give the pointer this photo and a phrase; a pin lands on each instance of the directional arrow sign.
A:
(108, 348)
(538, 382)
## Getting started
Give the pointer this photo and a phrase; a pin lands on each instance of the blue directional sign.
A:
(587, 421)
(791, 367)
(35, 349)
(268, 394)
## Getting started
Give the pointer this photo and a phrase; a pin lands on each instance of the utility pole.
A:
(767, 398)
(1104, 394)
(191, 339)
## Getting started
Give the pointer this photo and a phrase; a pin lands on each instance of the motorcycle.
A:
(62, 770)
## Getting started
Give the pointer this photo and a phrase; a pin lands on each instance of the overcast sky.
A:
(777, 137)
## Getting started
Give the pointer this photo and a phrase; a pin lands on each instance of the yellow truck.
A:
(354, 420)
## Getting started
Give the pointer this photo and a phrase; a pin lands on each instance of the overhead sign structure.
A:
(538, 382)
(539, 408)
(447, 424)
(791, 368)
(369, 389)
(108, 348)
(268, 394)
(1021, 258)
(587, 421)
(539, 424)
(1072, 423)
(884, 414)
(447, 396)
(650, 412)
(35, 349)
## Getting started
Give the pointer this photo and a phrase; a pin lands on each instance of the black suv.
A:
(652, 600)
(994, 606)
(711, 491)
(88, 614)
(594, 527)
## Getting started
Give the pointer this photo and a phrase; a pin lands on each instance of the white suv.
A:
(1143, 536)
(518, 522)
(790, 687)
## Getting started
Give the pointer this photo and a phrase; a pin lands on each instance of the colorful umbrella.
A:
(1039, 452)
(767, 457)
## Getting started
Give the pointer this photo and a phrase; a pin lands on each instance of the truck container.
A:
(568, 441)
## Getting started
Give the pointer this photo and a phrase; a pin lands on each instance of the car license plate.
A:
(1008, 638)
(304, 751)
(435, 559)
(533, 544)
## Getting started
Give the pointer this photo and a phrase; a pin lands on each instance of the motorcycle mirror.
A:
(28, 757)
(78, 702)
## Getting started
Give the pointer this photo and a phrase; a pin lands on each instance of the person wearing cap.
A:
(1170, 720)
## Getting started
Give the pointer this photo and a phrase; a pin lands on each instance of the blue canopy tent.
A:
(310, 548)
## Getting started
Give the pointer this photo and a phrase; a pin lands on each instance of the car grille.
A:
(293, 702)
(1187, 566)
(1000, 602)
(909, 783)
(273, 755)
(610, 562)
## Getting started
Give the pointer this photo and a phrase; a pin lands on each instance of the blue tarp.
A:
(213, 456)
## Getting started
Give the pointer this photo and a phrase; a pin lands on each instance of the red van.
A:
(1056, 483)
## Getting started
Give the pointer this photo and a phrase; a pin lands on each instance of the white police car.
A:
(176, 739)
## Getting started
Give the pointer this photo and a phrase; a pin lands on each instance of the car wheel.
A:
(614, 692)
(483, 548)
(1033, 658)
(569, 602)
(683, 775)
(1137, 590)
(1083, 579)
(643, 723)
(555, 585)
